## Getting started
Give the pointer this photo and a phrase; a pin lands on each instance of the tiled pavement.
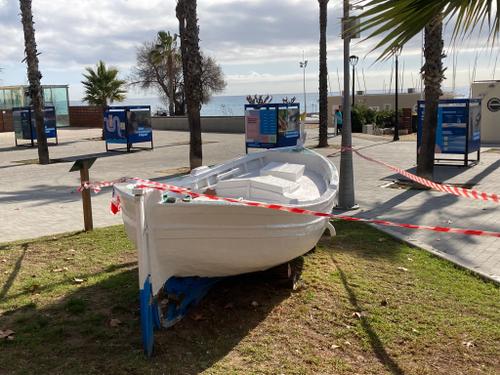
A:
(36, 200)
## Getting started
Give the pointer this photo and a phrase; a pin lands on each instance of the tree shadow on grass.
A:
(77, 335)
(357, 239)
(376, 344)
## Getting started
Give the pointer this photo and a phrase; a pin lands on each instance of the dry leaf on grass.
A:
(360, 314)
(76, 280)
(403, 269)
(333, 346)
(468, 344)
(197, 317)
(60, 269)
(115, 322)
(8, 334)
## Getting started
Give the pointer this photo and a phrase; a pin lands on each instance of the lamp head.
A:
(353, 60)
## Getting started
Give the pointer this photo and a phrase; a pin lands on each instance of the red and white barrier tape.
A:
(458, 191)
(96, 187)
(143, 184)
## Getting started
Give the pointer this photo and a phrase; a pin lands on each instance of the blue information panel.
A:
(25, 124)
(128, 125)
(272, 125)
(459, 126)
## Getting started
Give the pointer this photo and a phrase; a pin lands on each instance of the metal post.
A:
(396, 104)
(303, 65)
(346, 181)
(353, 85)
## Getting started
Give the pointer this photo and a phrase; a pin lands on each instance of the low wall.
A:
(85, 116)
(209, 124)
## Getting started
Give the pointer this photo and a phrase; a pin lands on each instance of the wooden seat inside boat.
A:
(275, 182)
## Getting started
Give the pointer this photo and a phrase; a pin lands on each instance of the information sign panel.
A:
(25, 124)
(458, 129)
(127, 125)
(272, 125)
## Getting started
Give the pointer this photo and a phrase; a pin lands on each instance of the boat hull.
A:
(211, 239)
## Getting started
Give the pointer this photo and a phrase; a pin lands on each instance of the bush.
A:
(362, 115)
(385, 119)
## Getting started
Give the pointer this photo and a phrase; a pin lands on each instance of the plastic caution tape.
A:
(458, 191)
(144, 184)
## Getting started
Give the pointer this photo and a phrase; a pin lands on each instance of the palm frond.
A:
(398, 21)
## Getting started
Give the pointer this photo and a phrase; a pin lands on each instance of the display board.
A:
(25, 124)
(459, 127)
(272, 125)
(127, 125)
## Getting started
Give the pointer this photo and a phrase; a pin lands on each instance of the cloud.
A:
(256, 42)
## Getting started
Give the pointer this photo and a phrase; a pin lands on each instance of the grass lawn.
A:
(366, 304)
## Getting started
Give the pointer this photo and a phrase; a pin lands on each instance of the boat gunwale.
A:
(329, 193)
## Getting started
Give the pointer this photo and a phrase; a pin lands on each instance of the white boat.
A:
(202, 238)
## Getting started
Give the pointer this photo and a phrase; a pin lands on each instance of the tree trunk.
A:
(323, 76)
(170, 86)
(433, 75)
(34, 76)
(191, 64)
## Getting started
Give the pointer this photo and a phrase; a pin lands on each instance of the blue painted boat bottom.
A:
(150, 318)
(182, 293)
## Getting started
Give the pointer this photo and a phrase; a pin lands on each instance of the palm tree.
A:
(165, 52)
(102, 85)
(34, 76)
(433, 75)
(323, 76)
(397, 21)
(192, 71)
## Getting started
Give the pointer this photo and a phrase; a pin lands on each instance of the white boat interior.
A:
(294, 177)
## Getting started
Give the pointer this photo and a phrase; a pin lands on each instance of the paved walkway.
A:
(40, 200)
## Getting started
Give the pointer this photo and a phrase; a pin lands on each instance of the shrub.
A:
(362, 115)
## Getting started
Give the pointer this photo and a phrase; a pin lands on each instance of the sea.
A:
(223, 105)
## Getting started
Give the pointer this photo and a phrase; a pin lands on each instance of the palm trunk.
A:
(191, 63)
(433, 75)
(323, 76)
(170, 86)
(35, 89)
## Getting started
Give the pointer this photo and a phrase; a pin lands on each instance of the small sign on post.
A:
(83, 165)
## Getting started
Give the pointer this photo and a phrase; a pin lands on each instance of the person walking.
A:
(338, 120)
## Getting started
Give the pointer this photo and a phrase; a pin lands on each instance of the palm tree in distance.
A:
(165, 52)
(102, 85)
(34, 76)
(398, 21)
(323, 76)
(192, 71)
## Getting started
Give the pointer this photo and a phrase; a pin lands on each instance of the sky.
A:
(258, 44)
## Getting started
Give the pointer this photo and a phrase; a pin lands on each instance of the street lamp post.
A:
(353, 59)
(303, 65)
(346, 200)
(397, 52)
